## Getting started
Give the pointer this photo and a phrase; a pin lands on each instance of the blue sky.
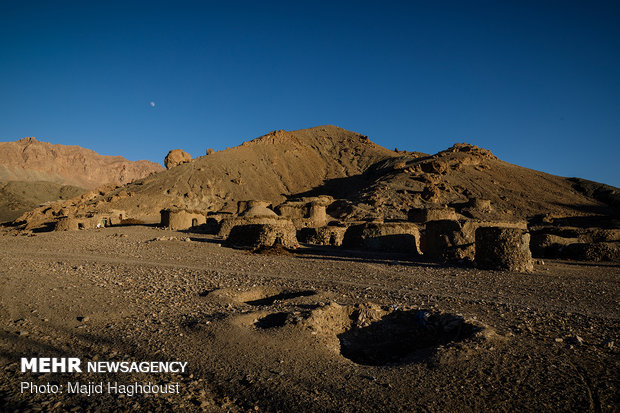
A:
(536, 82)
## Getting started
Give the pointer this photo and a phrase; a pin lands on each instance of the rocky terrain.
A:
(299, 331)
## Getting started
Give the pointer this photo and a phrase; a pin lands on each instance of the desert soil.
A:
(267, 332)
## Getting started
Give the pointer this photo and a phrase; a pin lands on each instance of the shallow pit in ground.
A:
(255, 296)
(377, 336)
(285, 295)
(272, 320)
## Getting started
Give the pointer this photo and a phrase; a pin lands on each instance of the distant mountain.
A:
(30, 160)
(33, 173)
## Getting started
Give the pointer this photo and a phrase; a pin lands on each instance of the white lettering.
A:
(29, 365)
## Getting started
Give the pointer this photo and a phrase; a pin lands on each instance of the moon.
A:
(152, 104)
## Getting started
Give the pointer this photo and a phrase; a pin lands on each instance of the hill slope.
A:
(30, 160)
(453, 176)
(269, 168)
(368, 180)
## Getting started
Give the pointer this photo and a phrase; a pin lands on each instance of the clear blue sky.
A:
(536, 82)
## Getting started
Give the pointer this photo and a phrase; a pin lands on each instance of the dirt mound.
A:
(30, 160)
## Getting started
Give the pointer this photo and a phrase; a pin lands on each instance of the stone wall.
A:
(181, 219)
(450, 240)
(503, 249)
(380, 236)
(259, 235)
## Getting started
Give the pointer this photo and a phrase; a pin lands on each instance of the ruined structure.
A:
(589, 244)
(180, 219)
(74, 223)
(244, 206)
(255, 209)
(306, 212)
(390, 198)
(450, 240)
(432, 214)
(549, 245)
(482, 205)
(503, 249)
(261, 235)
(384, 236)
(327, 235)
(227, 224)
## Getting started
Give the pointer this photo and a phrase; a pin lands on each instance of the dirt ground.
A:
(312, 330)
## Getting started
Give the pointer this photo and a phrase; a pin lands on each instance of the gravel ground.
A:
(315, 330)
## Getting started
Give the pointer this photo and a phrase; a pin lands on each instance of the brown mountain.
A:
(390, 188)
(33, 173)
(368, 181)
(30, 160)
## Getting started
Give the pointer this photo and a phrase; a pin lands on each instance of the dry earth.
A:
(282, 332)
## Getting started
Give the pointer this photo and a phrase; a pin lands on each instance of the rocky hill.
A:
(367, 180)
(30, 160)
(389, 189)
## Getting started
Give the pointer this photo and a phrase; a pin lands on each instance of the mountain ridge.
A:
(29, 159)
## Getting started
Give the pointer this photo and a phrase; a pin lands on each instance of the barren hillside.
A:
(366, 179)
(30, 160)
(391, 188)
(269, 168)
